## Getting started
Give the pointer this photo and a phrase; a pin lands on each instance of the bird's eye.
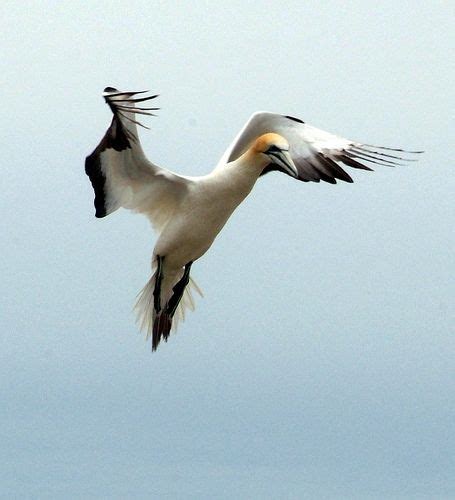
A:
(273, 149)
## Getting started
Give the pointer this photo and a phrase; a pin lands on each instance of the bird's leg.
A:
(163, 320)
(158, 280)
(178, 290)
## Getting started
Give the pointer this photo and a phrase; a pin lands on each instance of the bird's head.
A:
(274, 148)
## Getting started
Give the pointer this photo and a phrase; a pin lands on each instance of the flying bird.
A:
(189, 212)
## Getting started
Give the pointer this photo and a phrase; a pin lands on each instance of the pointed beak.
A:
(283, 160)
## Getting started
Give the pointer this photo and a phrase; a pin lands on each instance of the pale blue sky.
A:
(320, 363)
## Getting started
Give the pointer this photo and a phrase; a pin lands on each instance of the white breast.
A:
(201, 215)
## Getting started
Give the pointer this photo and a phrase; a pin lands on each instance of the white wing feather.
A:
(121, 174)
(316, 153)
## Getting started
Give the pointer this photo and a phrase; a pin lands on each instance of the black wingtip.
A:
(294, 119)
(98, 180)
(393, 149)
(122, 104)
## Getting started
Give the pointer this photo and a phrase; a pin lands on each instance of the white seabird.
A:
(189, 212)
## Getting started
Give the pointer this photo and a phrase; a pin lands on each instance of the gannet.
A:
(189, 212)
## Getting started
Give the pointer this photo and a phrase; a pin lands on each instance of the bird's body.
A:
(205, 208)
(189, 212)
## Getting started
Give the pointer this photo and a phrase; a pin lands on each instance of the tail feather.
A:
(144, 307)
(160, 325)
(186, 303)
(161, 328)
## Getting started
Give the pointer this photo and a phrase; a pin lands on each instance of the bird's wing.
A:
(316, 154)
(120, 173)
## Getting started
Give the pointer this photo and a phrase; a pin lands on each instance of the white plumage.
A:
(189, 212)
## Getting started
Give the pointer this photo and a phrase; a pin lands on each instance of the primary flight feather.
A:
(189, 212)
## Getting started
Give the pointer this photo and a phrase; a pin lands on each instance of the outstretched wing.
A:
(120, 173)
(316, 154)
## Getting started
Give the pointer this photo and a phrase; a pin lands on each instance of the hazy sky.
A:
(320, 363)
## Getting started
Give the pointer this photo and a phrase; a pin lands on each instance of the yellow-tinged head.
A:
(276, 150)
(267, 141)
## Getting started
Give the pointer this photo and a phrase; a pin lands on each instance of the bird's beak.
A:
(284, 161)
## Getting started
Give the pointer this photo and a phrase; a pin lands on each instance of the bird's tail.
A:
(159, 324)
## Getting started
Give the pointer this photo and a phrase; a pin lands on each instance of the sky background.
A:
(320, 363)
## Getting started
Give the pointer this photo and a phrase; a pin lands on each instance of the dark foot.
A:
(178, 290)
(161, 328)
(163, 319)
(158, 280)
